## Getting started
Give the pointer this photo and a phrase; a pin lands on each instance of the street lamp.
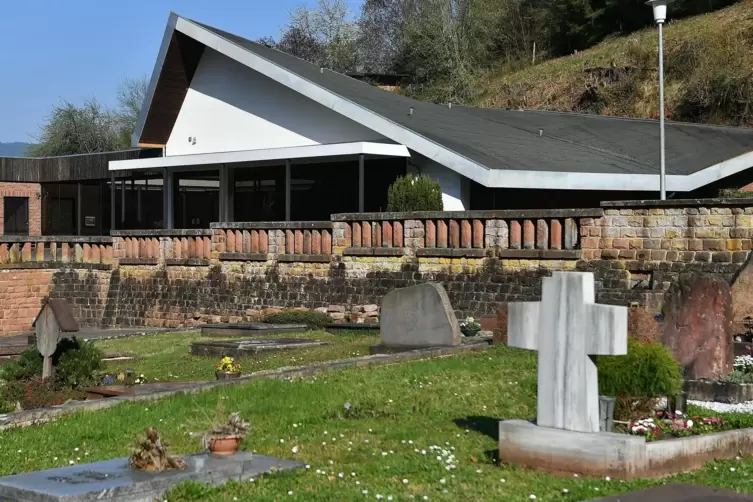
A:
(660, 15)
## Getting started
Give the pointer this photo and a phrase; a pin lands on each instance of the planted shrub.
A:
(311, 318)
(414, 193)
(76, 363)
(637, 379)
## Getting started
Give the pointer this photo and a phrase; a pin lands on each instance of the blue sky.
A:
(75, 49)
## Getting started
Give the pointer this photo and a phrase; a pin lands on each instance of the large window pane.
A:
(16, 214)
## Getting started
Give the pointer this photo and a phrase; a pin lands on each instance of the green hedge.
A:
(646, 373)
(414, 193)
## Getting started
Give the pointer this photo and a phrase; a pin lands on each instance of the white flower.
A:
(75, 449)
(405, 481)
(71, 462)
(295, 425)
(689, 423)
(389, 497)
(503, 480)
(608, 478)
(290, 492)
(532, 496)
(732, 469)
(294, 449)
(308, 466)
(379, 496)
(282, 441)
(365, 492)
(251, 480)
(442, 481)
(426, 497)
(565, 490)
(353, 474)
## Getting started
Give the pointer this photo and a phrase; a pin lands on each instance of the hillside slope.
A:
(708, 74)
(14, 149)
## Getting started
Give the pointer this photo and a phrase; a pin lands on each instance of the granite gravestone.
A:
(567, 328)
(252, 347)
(698, 318)
(114, 480)
(417, 317)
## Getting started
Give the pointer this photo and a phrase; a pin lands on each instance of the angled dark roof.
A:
(63, 313)
(505, 139)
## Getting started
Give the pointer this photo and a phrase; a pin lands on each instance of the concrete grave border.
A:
(620, 456)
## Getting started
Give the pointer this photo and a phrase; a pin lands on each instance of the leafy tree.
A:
(73, 129)
(92, 127)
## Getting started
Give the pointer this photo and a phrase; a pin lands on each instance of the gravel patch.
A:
(746, 407)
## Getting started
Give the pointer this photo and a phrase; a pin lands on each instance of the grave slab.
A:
(464, 341)
(250, 329)
(678, 492)
(114, 480)
(417, 317)
(250, 348)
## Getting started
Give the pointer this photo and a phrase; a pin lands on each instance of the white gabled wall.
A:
(456, 188)
(230, 107)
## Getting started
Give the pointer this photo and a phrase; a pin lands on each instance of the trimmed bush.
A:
(311, 318)
(647, 372)
(76, 363)
(414, 193)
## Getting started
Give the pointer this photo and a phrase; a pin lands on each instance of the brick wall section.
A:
(21, 294)
(31, 190)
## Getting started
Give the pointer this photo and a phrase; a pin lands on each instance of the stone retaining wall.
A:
(483, 258)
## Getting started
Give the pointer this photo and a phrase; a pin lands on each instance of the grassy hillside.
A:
(708, 68)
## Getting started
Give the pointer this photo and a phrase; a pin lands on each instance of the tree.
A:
(131, 95)
(380, 34)
(322, 35)
(73, 129)
(92, 127)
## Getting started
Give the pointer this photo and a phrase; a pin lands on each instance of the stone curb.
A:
(42, 415)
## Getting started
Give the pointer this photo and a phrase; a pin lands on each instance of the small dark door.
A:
(16, 215)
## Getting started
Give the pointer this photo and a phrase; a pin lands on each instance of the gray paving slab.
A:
(114, 480)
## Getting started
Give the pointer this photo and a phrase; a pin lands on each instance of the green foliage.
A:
(414, 193)
(77, 366)
(647, 371)
(737, 376)
(311, 318)
(734, 193)
(76, 363)
(28, 366)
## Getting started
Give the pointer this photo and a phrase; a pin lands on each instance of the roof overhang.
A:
(341, 151)
(507, 178)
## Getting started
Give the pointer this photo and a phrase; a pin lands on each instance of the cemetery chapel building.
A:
(232, 130)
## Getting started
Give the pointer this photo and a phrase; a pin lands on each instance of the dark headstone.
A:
(250, 329)
(742, 291)
(114, 480)
(418, 317)
(698, 325)
(254, 346)
(678, 493)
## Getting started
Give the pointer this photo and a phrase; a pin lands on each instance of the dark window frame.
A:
(11, 225)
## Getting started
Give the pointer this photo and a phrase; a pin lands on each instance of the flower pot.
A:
(226, 375)
(224, 446)
(469, 331)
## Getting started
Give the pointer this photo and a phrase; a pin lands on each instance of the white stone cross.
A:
(566, 328)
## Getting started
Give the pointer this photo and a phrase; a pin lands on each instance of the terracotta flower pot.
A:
(226, 375)
(224, 446)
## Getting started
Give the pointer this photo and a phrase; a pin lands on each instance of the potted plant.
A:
(470, 327)
(227, 369)
(223, 438)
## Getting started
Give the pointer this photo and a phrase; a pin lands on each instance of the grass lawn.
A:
(383, 445)
(165, 357)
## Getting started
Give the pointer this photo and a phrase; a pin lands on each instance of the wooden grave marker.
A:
(54, 318)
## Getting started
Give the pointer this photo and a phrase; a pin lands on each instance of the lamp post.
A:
(660, 15)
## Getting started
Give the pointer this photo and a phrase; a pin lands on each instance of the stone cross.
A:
(566, 328)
